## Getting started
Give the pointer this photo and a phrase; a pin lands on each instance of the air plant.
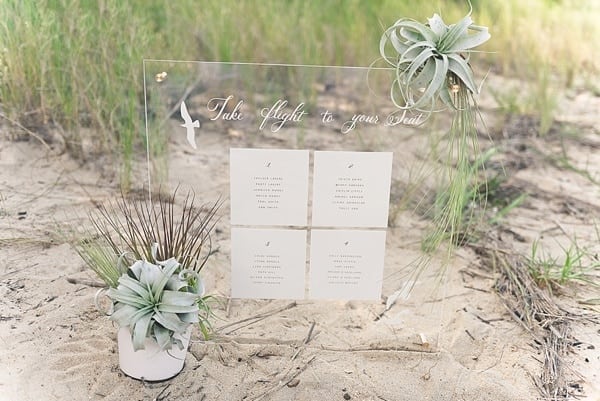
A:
(432, 73)
(431, 61)
(150, 255)
(157, 300)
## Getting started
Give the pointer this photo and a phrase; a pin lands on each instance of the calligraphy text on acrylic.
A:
(281, 113)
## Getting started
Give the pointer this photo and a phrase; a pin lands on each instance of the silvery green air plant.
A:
(432, 72)
(156, 300)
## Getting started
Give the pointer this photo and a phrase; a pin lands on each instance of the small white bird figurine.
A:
(189, 125)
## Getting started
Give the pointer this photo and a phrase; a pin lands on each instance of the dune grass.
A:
(76, 64)
(70, 65)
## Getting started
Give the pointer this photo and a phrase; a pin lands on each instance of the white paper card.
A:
(351, 189)
(346, 264)
(269, 187)
(268, 263)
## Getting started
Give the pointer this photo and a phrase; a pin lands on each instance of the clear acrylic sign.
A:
(303, 162)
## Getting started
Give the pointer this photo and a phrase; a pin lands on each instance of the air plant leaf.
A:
(417, 63)
(149, 275)
(189, 317)
(439, 78)
(178, 302)
(127, 297)
(136, 269)
(122, 314)
(176, 284)
(425, 76)
(416, 32)
(437, 25)
(162, 335)
(398, 45)
(466, 42)
(454, 33)
(177, 309)
(159, 284)
(135, 286)
(459, 66)
(140, 330)
(447, 98)
(170, 321)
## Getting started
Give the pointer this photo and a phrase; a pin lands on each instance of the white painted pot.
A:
(151, 363)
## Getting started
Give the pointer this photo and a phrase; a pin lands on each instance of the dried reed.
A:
(132, 226)
(538, 312)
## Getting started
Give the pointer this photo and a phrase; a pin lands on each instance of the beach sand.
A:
(449, 339)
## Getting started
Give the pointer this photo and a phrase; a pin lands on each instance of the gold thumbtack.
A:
(161, 76)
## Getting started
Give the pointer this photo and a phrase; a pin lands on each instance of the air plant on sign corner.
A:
(432, 73)
(431, 61)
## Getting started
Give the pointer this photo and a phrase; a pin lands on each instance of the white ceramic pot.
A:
(151, 363)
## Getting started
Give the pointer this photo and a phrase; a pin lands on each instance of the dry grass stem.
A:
(535, 309)
(133, 226)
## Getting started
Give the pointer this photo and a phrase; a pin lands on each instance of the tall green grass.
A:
(76, 64)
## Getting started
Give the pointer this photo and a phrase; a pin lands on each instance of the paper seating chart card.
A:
(351, 189)
(269, 187)
(346, 264)
(268, 263)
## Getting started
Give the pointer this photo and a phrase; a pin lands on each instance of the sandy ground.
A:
(56, 346)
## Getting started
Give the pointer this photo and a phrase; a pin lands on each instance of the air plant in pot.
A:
(431, 72)
(150, 256)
